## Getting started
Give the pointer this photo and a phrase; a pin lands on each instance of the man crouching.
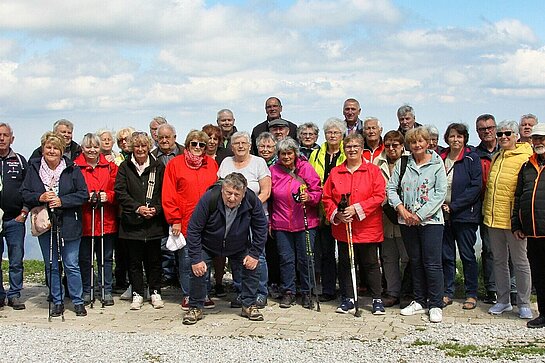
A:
(228, 221)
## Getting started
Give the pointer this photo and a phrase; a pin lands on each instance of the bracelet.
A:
(24, 215)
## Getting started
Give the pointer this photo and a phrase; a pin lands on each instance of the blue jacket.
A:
(206, 228)
(465, 205)
(13, 169)
(72, 192)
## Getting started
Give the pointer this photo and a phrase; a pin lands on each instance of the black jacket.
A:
(130, 189)
(264, 126)
(13, 169)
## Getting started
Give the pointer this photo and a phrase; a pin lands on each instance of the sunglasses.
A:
(202, 145)
(506, 133)
(394, 145)
(138, 133)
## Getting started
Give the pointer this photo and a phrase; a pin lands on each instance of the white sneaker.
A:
(127, 295)
(412, 309)
(137, 301)
(156, 300)
(436, 315)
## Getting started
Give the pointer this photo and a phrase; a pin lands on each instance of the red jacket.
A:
(183, 187)
(100, 178)
(367, 188)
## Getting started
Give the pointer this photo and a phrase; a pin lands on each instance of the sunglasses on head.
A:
(202, 145)
(506, 133)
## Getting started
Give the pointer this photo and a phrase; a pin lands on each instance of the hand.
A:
(199, 269)
(176, 229)
(304, 196)
(446, 208)
(55, 202)
(519, 234)
(103, 197)
(249, 262)
(47, 197)
(20, 219)
(405, 214)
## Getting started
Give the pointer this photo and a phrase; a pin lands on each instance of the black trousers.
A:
(536, 257)
(368, 254)
(147, 253)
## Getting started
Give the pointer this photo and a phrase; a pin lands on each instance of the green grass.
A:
(509, 351)
(33, 271)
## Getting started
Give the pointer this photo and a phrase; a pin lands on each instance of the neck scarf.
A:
(50, 178)
(193, 161)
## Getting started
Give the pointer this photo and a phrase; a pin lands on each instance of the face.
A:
(51, 153)
(406, 122)
(273, 108)
(266, 149)
(353, 151)
(231, 196)
(351, 111)
(240, 146)
(308, 137)
(287, 158)
(196, 147)
(65, 132)
(106, 142)
(226, 121)
(507, 139)
(333, 136)
(394, 149)
(6, 139)
(91, 152)
(538, 142)
(279, 132)
(455, 140)
(419, 147)
(140, 152)
(213, 142)
(525, 128)
(486, 129)
(153, 126)
(372, 130)
(166, 140)
(434, 140)
(123, 143)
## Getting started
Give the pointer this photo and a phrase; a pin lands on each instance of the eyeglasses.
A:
(334, 133)
(308, 134)
(240, 143)
(483, 129)
(202, 145)
(394, 145)
(506, 133)
(266, 147)
(138, 133)
(349, 147)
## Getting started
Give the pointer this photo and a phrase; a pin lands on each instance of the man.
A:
(527, 122)
(226, 122)
(486, 129)
(407, 119)
(228, 221)
(154, 127)
(65, 129)
(372, 133)
(279, 128)
(307, 134)
(528, 218)
(351, 112)
(13, 169)
(273, 108)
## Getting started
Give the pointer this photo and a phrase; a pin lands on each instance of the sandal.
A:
(447, 301)
(470, 303)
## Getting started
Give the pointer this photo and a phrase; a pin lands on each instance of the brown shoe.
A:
(447, 301)
(192, 316)
(470, 303)
(252, 313)
(389, 301)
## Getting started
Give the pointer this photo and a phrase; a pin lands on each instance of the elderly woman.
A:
(418, 199)
(123, 143)
(365, 186)
(187, 177)
(497, 207)
(323, 160)
(55, 182)
(107, 145)
(266, 147)
(307, 134)
(99, 175)
(393, 253)
(256, 172)
(434, 139)
(293, 176)
(462, 212)
(138, 190)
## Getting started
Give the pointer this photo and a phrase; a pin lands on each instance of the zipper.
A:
(494, 194)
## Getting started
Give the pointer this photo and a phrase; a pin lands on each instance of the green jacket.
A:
(317, 159)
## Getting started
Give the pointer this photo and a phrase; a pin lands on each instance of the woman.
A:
(55, 182)
(214, 140)
(187, 177)
(323, 160)
(497, 207)
(418, 203)
(123, 143)
(365, 184)
(257, 174)
(462, 211)
(107, 145)
(393, 253)
(266, 148)
(287, 218)
(434, 139)
(99, 175)
(138, 190)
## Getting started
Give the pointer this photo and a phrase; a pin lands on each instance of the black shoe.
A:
(56, 310)
(513, 297)
(405, 301)
(80, 310)
(490, 297)
(306, 301)
(2, 303)
(389, 301)
(326, 297)
(287, 300)
(16, 303)
(220, 290)
(237, 303)
(538, 322)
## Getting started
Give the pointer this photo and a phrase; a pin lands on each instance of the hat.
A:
(278, 122)
(538, 130)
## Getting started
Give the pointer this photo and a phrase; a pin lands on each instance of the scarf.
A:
(193, 161)
(50, 178)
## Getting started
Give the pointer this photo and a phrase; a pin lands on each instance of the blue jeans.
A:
(168, 261)
(424, 247)
(292, 246)
(70, 261)
(464, 235)
(184, 269)
(262, 289)
(250, 281)
(14, 234)
(85, 261)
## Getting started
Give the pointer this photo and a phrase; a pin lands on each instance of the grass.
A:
(509, 351)
(33, 271)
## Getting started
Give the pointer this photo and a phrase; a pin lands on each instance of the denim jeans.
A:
(424, 247)
(184, 269)
(85, 261)
(464, 235)
(292, 247)
(262, 289)
(168, 261)
(249, 278)
(70, 262)
(14, 234)
(326, 264)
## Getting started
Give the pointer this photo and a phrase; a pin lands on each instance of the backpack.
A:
(390, 212)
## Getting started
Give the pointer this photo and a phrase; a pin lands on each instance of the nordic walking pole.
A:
(94, 207)
(345, 202)
(50, 266)
(57, 223)
(101, 206)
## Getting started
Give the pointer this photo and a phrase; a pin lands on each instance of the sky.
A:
(117, 63)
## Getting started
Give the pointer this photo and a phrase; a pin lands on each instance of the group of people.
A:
(362, 211)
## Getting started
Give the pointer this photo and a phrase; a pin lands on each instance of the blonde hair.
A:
(418, 132)
(54, 139)
(196, 134)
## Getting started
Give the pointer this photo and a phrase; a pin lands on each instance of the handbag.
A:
(39, 221)
(131, 217)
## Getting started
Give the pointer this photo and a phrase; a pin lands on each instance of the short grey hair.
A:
(334, 122)
(509, 125)
(240, 134)
(287, 144)
(307, 125)
(528, 115)
(159, 119)
(372, 118)
(405, 109)
(235, 180)
(10, 130)
(224, 110)
(90, 139)
(432, 130)
(166, 126)
(63, 122)
(101, 132)
(265, 135)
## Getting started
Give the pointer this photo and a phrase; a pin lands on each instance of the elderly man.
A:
(64, 128)
(407, 119)
(273, 108)
(154, 127)
(372, 133)
(13, 169)
(527, 122)
(528, 218)
(226, 122)
(351, 112)
(279, 128)
(228, 221)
